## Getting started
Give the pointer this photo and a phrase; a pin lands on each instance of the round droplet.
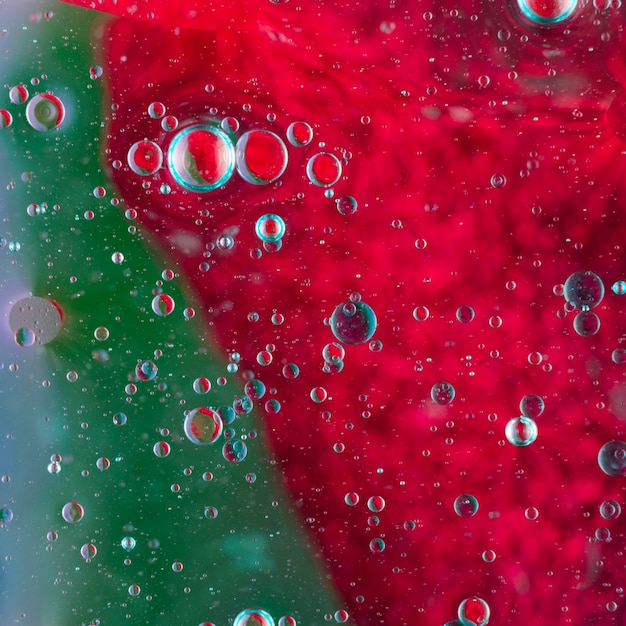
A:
(291, 371)
(24, 337)
(465, 314)
(346, 205)
(95, 71)
(466, 505)
(376, 504)
(203, 426)
(146, 370)
(169, 123)
(353, 323)
(54, 468)
(210, 512)
(270, 227)
(586, 323)
(318, 394)
(234, 450)
(72, 512)
(377, 545)
(45, 112)
(88, 551)
(101, 333)
(18, 94)
(39, 315)
(583, 290)
(134, 590)
(6, 119)
(202, 385)
(163, 304)
(103, 463)
(261, 157)
(324, 169)
(612, 458)
(474, 612)
(287, 620)
(610, 509)
(442, 393)
(547, 11)
(156, 110)
(254, 617)
(489, 556)
(230, 125)
(619, 287)
(254, 389)
(341, 617)
(177, 566)
(531, 406)
(619, 356)
(521, 431)
(128, 543)
(421, 313)
(351, 498)
(161, 449)
(120, 419)
(6, 516)
(201, 158)
(333, 352)
(145, 158)
(299, 134)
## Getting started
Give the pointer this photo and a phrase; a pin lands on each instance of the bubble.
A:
(474, 612)
(376, 504)
(24, 337)
(145, 158)
(498, 180)
(99, 192)
(287, 620)
(610, 509)
(586, 323)
(54, 468)
(377, 545)
(521, 431)
(201, 158)
(318, 394)
(146, 370)
(619, 356)
(264, 358)
(161, 449)
(103, 463)
(117, 258)
(156, 110)
(261, 157)
(442, 393)
(6, 516)
(169, 123)
(6, 119)
(333, 352)
(299, 134)
(88, 551)
(465, 314)
(253, 617)
(134, 590)
(583, 290)
(612, 458)
(177, 566)
(72, 512)
(128, 543)
(18, 94)
(466, 505)
(254, 389)
(324, 169)
(95, 71)
(353, 323)
(39, 315)
(163, 304)
(202, 385)
(619, 287)
(120, 419)
(421, 313)
(72, 376)
(531, 406)
(230, 125)
(346, 205)
(341, 617)
(291, 371)
(489, 556)
(351, 498)
(101, 333)
(45, 112)
(203, 426)
(234, 451)
(270, 227)
(547, 12)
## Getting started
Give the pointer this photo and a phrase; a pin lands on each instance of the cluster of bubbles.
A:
(44, 112)
(333, 354)
(522, 430)
(583, 291)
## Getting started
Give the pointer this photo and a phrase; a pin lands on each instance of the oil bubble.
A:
(177, 566)
(145, 158)
(261, 157)
(584, 290)
(24, 337)
(521, 431)
(287, 620)
(163, 304)
(202, 385)
(377, 545)
(618, 356)
(254, 389)
(203, 426)
(18, 94)
(299, 134)
(442, 393)
(234, 451)
(45, 112)
(612, 458)
(351, 498)
(346, 205)
(421, 313)
(376, 504)
(586, 323)
(610, 509)
(489, 556)
(474, 612)
(270, 228)
(318, 394)
(134, 590)
(95, 71)
(333, 352)
(161, 449)
(101, 333)
(169, 123)
(253, 617)
(465, 314)
(201, 158)
(6, 119)
(619, 287)
(230, 125)
(120, 419)
(353, 323)
(156, 110)
(323, 169)
(128, 543)
(466, 505)
(547, 12)
(531, 406)
(88, 551)
(146, 370)
(72, 512)
(103, 463)
(291, 371)
(6, 516)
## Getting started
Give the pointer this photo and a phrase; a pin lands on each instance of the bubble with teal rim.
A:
(353, 323)
(253, 617)
(270, 228)
(553, 12)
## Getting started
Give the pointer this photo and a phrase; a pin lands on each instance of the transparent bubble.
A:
(377, 545)
(72, 512)
(465, 314)
(602, 534)
(474, 612)
(376, 504)
(134, 590)
(161, 449)
(287, 620)
(351, 498)
(230, 125)
(120, 419)
(18, 94)
(202, 385)
(270, 227)
(291, 371)
(586, 323)
(619, 287)
(584, 290)
(333, 352)
(421, 313)
(341, 616)
(254, 617)
(521, 431)
(54, 468)
(128, 543)
(45, 112)
(72, 376)
(6, 516)
(99, 192)
(353, 323)
(24, 337)
(201, 158)
(103, 463)
(612, 458)
(318, 394)
(547, 12)
(619, 356)
(234, 451)
(6, 119)
(156, 110)
(145, 158)
(163, 304)
(101, 333)
(210, 512)
(169, 123)
(466, 505)
(489, 556)
(299, 134)
(146, 370)
(324, 169)
(261, 157)
(254, 389)
(610, 509)
(177, 566)
(531, 406)
(442, 393)
(203, 426)
(88, 551)
(346, 205)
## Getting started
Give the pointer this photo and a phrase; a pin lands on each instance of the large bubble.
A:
(584, 290)
(203, 426)
(261, 157)
(353, 323)
(45, 112)
(145, 157)
(612, 458)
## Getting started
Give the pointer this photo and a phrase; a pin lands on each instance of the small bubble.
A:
(442, 393)
(72, 512)
(466, 505)
(521, 431)
(145, 158)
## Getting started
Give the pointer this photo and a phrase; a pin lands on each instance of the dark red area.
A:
(497, 145)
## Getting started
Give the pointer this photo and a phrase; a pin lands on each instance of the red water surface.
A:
(487, 158)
